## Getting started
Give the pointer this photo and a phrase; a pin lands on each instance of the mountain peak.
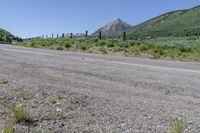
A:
(117, 19)
(114, 27)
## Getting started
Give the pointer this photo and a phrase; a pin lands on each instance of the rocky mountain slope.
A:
(113, 28)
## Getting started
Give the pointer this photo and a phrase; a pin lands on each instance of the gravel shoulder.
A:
(74, 92)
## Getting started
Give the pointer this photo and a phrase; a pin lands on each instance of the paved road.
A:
(146, 95)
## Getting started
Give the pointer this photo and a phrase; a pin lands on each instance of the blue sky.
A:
(29, 18)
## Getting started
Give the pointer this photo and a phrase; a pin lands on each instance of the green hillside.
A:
(5, 36)
(177, 23)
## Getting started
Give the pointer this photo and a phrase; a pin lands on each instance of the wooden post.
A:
(86, 33)
(71, 35)
(100, 36)
(124, 36)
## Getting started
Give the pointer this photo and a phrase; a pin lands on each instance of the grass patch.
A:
(8, 130)
(177, 127)
(20, 115)
(103, 50)
(3, 81)
(72, 100)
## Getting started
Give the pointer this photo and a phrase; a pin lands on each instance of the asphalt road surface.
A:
(129, 95)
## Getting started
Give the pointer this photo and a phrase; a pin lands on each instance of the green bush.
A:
(102, 43)
(193, 38)
(94, 40)
(67, 45)
(135, 51)
(59, 48)
(177, 126)
(20, 114)
(186, 48)
(133, 43)
(103, 50)
(113, 41)
(8, 130)
(123, 45)
(83, 47)
(143, 47)
(33, 44)
(110, 44)
(60, 42)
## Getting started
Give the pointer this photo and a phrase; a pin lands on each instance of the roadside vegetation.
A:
(149, 49)
(177, 127)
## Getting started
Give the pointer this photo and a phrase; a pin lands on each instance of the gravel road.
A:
(68, 92)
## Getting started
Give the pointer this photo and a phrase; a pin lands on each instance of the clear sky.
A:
(29, 18)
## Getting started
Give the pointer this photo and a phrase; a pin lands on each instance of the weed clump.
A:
(20, 115)
(3, 82)
(177, 127)
(8, 130)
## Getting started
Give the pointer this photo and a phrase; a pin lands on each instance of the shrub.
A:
(123, 45)
(67, 45)
(135, 51)
(134, 43)
(8, 130)
(83, 47)
(20, 115)
(32, 44)
(192, 38)
(177, 127)
(159, 50)
(60, 42)
(103, 50)
(110, 44)
(113, 41)
(60, 48)
(95, 40)
(131, 43)
(186, 48)
(143, 47)
(102, 43)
